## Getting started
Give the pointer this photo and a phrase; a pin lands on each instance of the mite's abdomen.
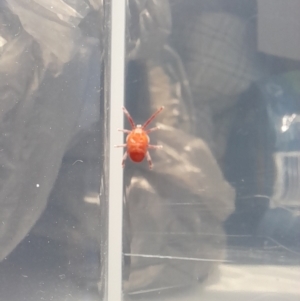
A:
(137, 144)
(136, 154)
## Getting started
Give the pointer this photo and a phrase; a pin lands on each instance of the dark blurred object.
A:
(248, 163)
(262, 161)
(282, 97)
(281, 221)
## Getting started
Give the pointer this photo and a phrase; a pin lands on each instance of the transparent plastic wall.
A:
(53, 133)
(217, 218)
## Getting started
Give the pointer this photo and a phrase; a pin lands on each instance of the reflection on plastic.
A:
(176, 212)
(50, 14)
(49, 149)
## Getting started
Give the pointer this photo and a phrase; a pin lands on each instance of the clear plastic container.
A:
(217, 217)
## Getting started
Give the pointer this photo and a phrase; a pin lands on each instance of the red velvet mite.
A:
(137, 140)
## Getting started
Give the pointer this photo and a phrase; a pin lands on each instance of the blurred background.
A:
(218, 216)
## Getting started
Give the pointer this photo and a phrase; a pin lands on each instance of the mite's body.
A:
(137, 141)
(137, 144)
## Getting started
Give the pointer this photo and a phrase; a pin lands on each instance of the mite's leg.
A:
(124, 159)
(121, 145)
(153, 129)
(149, 160)
(124, 131)
(152, 117)
(129, 118)
(155, 146)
